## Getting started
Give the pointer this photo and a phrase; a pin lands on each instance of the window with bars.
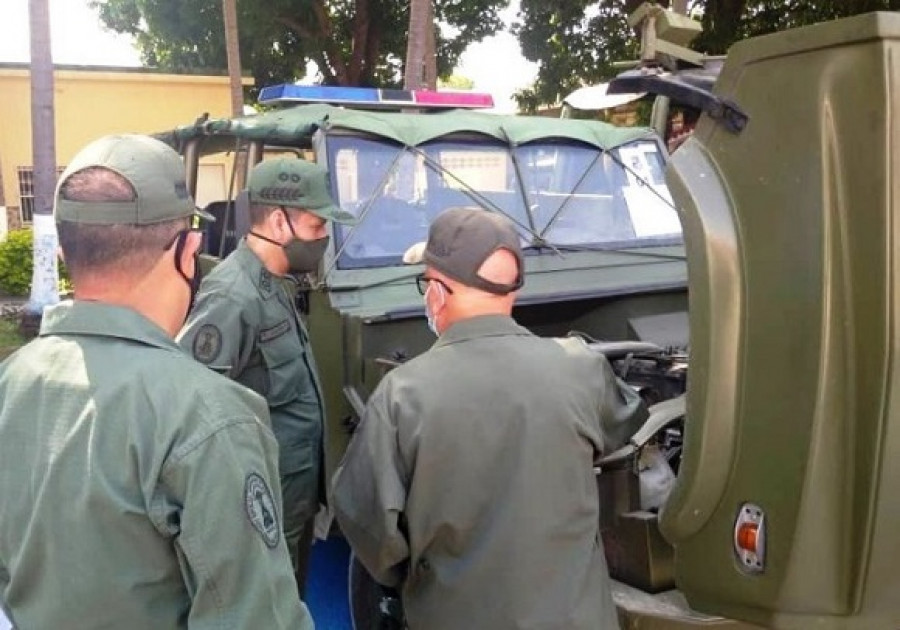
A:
(26, 191)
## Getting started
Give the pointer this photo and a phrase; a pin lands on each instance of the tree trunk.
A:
(4, 216)
(417, 44)
(45, 277)
(233, 55)
(430, 50)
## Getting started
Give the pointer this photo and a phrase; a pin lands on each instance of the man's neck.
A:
(470, 311)
(168, 314)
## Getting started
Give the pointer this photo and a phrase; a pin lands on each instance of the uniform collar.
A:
(264, 280)
(481, 326)
(100, 319)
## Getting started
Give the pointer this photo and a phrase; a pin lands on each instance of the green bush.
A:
(16, 264)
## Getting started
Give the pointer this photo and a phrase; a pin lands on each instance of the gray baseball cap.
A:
(461, 239)
(153, 169)
(295, 183)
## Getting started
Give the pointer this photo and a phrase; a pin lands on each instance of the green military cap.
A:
(461, 239)
(155, 172)
(295, 183)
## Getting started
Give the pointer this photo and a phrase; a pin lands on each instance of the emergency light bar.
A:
(288, 93)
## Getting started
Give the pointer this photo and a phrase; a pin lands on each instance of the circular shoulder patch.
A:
(207, 343)
(260, 507)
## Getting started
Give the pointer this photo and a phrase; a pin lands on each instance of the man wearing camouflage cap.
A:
(139, 489)
(470, 480)
(245, 325)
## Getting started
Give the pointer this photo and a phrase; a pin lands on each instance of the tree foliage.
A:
(575, 42)
(353, 42)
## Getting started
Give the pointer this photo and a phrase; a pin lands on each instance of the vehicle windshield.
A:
(562, 195)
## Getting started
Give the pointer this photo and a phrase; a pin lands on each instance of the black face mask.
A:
(302, 256)
(194, 282)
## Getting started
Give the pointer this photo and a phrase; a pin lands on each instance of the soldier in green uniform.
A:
(470, 480)
(245, 325)
(139, 489)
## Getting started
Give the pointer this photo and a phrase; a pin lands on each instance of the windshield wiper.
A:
(404, 277)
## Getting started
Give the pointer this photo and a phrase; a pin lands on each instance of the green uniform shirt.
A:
(244, 325)
(137, 486)
(470, 480)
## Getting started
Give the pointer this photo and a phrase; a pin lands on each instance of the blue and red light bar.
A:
(288, 93)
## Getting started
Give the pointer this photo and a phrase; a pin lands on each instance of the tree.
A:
(456, 82)
(235, 76)
(45, 278)
(419, 56)
(353, 42)
(233, 56)
(576, 41)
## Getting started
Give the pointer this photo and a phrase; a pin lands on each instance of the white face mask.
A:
(432, 324)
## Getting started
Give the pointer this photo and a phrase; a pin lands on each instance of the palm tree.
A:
(45, 277)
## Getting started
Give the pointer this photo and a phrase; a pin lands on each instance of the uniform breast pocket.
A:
(284, 363)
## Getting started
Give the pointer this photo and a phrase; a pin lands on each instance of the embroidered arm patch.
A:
(260, 507)
(207, 344)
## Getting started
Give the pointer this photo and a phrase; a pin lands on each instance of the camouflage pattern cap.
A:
(295, 183)
(155, 172)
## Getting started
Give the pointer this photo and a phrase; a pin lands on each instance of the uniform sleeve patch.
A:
(260, 507)
(207, 343)
(268, 334)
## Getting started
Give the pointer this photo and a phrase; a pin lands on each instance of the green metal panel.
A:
(791, 230)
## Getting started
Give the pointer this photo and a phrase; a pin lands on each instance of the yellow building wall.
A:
(92, 103)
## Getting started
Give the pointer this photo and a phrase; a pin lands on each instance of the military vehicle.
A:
(604, 253)
(782, 514)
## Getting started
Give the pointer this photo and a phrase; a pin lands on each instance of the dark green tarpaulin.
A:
(296, 125)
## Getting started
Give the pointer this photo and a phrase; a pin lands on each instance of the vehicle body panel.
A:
(791, 229)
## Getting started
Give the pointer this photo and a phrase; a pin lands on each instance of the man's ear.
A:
(277, 222)
(194, 241)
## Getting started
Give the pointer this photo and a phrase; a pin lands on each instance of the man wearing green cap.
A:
(139, 489)
(470, 482)
(246, 325)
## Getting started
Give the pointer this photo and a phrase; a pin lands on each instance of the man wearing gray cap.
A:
(139, 489)
(246, 325)
(470, 480)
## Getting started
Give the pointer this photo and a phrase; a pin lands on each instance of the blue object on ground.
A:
(326, 587)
